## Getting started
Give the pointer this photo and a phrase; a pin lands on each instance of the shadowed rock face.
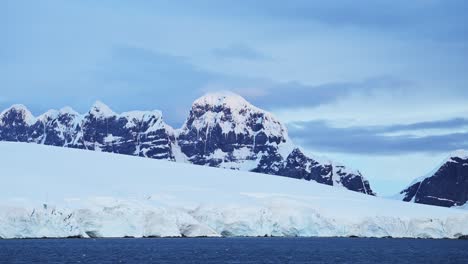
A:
(222, 130)
(58, 129)
(136, 133)
(141, 134)
(15, 123)
(228, 131)
(299, 166)
(447, 187)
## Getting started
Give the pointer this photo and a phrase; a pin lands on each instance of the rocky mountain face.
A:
(222, 130)
(447, 186)
(227, 131)
(299, 166)
(134, 133)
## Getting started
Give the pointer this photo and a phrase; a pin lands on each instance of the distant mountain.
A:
(447, 186)
(222, 130)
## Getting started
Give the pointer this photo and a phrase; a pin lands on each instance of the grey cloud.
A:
(296, 94)
(451, 123)
(317, 135)
(427, 19)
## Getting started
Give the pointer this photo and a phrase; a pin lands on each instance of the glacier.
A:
(62, 192)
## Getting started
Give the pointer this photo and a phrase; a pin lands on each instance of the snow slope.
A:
(60, 192)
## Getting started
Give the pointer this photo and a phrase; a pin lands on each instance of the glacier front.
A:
(60, 192)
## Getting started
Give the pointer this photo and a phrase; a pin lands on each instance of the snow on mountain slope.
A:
(222, 130)
(225, 130)
(139, 133)
(133, 133)
(60, 192)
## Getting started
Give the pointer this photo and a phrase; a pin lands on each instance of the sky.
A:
(381, 86)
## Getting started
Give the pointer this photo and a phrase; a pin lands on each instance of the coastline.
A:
(462, 237)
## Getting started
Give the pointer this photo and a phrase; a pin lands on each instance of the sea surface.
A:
(234, 250)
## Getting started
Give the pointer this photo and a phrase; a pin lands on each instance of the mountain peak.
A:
(54, 114)
(68, 110)
(232, 113)
(223, 98)
(27, 116)
(51, 114)
(101, 109)
(16, 107)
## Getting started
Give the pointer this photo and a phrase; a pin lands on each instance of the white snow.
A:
(59, 192)
(69, 110)
(111, 138)
(100, 109)
(134, 117)
(51, 114)
(225, 98)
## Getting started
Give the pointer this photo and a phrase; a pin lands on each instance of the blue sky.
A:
(378, 85)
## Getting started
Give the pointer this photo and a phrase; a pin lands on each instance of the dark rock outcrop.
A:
(227, 131)
(15, 124)
(299, 166)
(447, 187)
(133, 133)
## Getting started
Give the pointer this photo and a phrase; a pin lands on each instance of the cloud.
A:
(296, 94)
(239, 51)
(436, 136)
(436, 19)
(439, 124)
(383, 107)
(67, 60)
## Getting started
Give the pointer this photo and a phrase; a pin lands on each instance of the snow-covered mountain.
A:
(62, 192)
(133, 133)
(446, 186)
(222, 130)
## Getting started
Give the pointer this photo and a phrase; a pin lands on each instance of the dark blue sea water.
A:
(234, 250)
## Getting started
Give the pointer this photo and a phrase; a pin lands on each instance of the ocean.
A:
(234, 250)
